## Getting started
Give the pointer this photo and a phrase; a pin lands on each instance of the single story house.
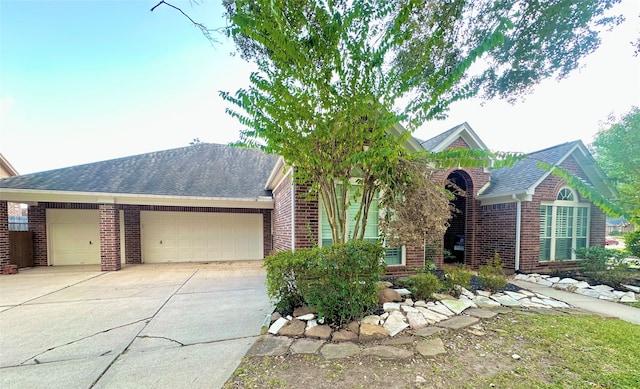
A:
(211, 202)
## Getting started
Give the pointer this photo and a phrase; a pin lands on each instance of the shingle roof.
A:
(430, 144)
(524, 174)
(203, 170)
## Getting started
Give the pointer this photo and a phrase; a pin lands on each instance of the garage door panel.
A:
(197, 237)
(74, 236)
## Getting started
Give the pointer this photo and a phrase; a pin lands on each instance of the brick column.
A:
(109, 237)
(38, 227)
(4, 233)
(132, 245)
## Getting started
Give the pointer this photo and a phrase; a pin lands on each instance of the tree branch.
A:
(205, 31)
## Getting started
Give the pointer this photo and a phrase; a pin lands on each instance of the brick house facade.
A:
(501, 211)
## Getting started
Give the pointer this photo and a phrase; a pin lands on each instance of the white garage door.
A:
(73, 236)
(200, 237)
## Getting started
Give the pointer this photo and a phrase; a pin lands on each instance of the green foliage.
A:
(617, 150)
(604, 266)
(340, 280)
(423, 285)
(632, 243)
(491, 274)
(282, 270)
(454, 278)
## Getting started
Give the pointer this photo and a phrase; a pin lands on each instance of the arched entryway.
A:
(455, 239)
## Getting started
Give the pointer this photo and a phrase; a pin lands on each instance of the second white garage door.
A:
(200, 237)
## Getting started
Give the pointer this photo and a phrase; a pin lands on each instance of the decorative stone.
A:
(458, 322)
(465, 292)
(485, 302)
(267, 345)
(416, 320)
(526, 293)
(516, 357)
(293, 329)
(568, 281)
(555, 303)
(481, 313)
(431, 316)
(521, 277)
(537, 300)
(553, 279)
(277, 325)
(384, 284)
(564, 286)
(608, 296)
(632, 288)
(319, 332)
(384, 316)
(527, 303)
(602, 288)
(301, 311)
(395, 323)
(344, 336)
(340, 350)
(431, 347)
(429, 331)
(407, 309)
(420, 303)
(399, 341)
(628, 297)
(312, 323)
(407, 302)
(544, 282)
(442, 296)
(390, 307)
(370, 332)
(371, 319)
(275, 316)
(468, 301)
(588, 292)
(484, 293)
(388, 295)
(387, 353)
(505, 300)
(354, 327)
(581, 285)
(515, 295)
(307, 317)
(403, 291)
(306, 346)
(456, 306)
(441, 309)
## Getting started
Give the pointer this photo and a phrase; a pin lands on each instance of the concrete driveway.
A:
(146, 326)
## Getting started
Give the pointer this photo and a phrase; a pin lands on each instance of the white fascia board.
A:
(505, 198)
(32, 196)
(465, 132)
(276, 175)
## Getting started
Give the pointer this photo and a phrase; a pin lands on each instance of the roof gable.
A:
(442, 141)
(203, 170)
(525, 175)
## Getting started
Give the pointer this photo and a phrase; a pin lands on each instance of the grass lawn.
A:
(556, 351)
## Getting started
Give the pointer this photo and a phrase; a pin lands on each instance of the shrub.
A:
(423, 285)
(282, 270)
(455, 278)
(604, 266)
(632, 243)
(340, 280)
(491, 275)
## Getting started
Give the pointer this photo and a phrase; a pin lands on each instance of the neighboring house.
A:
(213, 202)
(618, 225)
(17, 212)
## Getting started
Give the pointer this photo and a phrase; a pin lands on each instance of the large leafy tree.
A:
(617, 150)
(336, 78)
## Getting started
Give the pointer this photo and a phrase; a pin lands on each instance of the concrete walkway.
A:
(146, 326)
(590, 304)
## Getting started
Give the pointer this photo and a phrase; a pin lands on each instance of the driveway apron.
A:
(160, 326)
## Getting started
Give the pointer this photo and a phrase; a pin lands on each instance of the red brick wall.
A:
(4, 233)
(414, 261)
(282, 215)
(132, 239)
(38, 226)
(498, 233)
(109, 237)
(305, 218)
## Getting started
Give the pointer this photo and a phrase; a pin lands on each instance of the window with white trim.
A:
(564, 226)
(393, 256)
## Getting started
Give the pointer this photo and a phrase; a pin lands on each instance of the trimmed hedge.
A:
(338, 280)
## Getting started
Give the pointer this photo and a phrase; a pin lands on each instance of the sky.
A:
(90, 80)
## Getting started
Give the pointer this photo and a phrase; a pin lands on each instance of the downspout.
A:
(518, 222)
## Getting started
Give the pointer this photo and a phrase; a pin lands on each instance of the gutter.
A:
(518, 223)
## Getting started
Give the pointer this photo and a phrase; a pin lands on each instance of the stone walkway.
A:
(405, 329)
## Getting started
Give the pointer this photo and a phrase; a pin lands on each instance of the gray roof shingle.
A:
(203, 170)
(525, 173)
(430, 144)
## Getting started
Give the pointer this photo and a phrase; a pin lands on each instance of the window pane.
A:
(545, 233)
(563, 249)
(545, 249)
(393, 256)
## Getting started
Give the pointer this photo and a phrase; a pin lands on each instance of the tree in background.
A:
(336, 79)
(617, 150)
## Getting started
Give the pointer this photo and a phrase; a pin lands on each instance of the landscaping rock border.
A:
(602, 292)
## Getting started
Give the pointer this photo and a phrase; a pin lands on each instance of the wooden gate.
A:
(21, 248)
